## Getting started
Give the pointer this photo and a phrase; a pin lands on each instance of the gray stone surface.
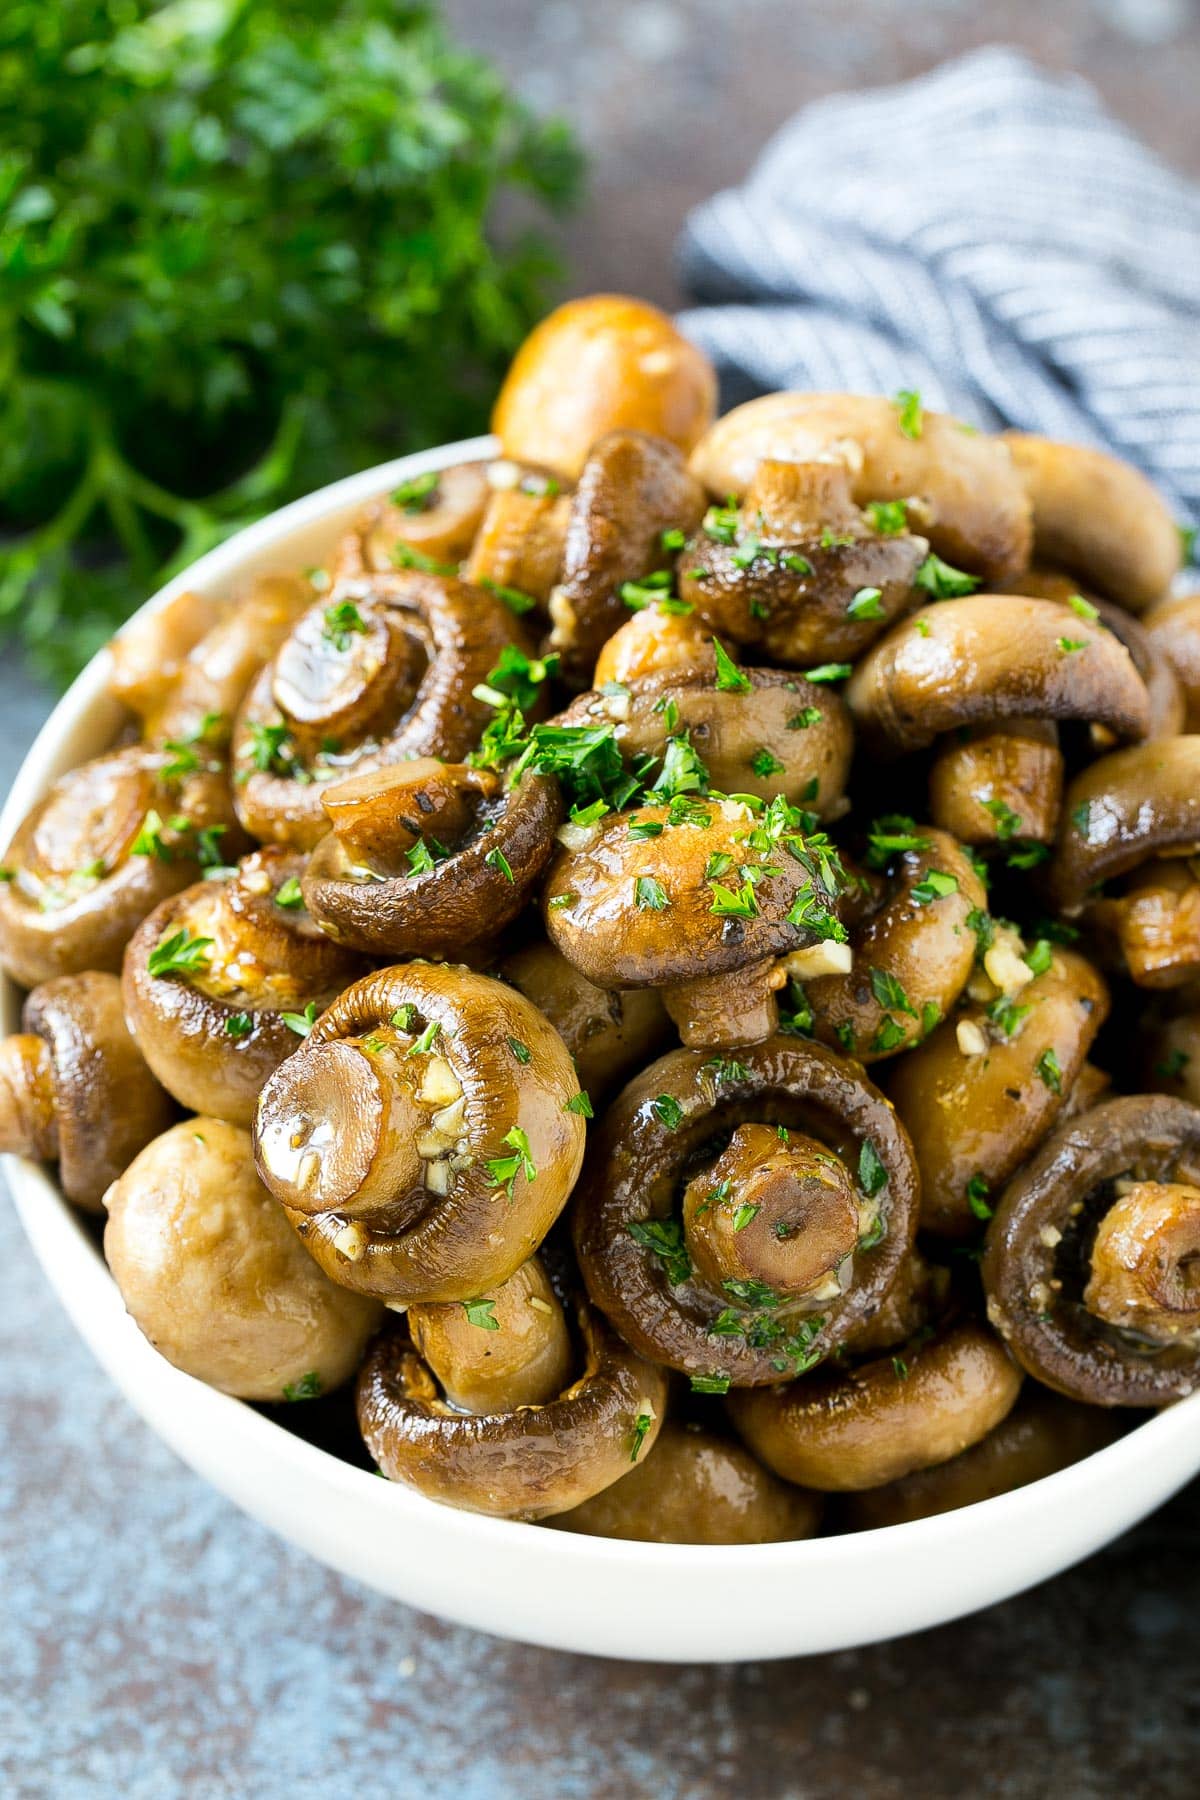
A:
(154, 1643)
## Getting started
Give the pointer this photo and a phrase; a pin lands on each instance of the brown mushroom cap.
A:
(1032, 1266)
(874, 1424)
(79, 884)
(1042, 1434)
(989, 657)
(980, 1115)
(214, 1035)
(608, 1033)
(347, 700)
(1152, 927)
(661, 1133)
(655, 641)
(438, 518)
(632, 489)
(1124, 809)
(75, 1088)
(211, 1273)
(213, 679)
(696, 1487)
(468, 895)
(912, 955)
(426, 1136)
(522, 1464)
(1173, 626)
(974, 498)
(1099, 517)
(600, 364)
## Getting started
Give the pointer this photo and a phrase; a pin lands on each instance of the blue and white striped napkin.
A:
(987, 234)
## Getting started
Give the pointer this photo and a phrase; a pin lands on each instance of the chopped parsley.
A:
(521, 1051)
(710, 1384)
(1008, 822)
(909, 414)
(504, 1170)
(1049, 1071)
(801, 721)
(581, 1105)
(428, 1038)
(496, 859)
(288, 894)
(977, 1191)
(149, 840)
(1082, 608)
(888, 517)
(934, 885)
(301, 1023)
(889, 836)
(745, 1215)
(941, 581)
(481, 1313)
(867, 604)
(1068, 646)
(342, 622)
(307, 1388)
(831, 671)
(404, 556)
(889, 992)
(730, 679)
(1173, 1065)
(649, 895)
(179, 954)
(418, 493)
(239, 1025)
(872, 1176)
(729, 903)
(764, 762)
(668, 1111)
(664, 1239)
(1081, 817)
(642, 1424)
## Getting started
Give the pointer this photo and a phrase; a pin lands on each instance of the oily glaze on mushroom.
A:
(74, 1088)
(610, 1034)
(211, 1273)
(426, 1136)
(221, 983)
(426, 518)
(739, 1217)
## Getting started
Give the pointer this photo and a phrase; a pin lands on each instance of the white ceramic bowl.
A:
(674, 1602)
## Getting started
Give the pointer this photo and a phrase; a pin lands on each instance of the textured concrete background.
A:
(154, 1643)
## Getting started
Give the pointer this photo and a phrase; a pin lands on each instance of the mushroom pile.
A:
(664, 976)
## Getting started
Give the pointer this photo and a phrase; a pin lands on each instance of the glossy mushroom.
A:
(608, 1033)
(519, 546)
(147, 654)
(211, 1273)
(1098, 517)
(220, 983)
(199, 708)
(426, 1136)
(429, 858)
(972, 496)
(1123, 810)
(657, 640)
(500, 1350)
(384, 668)
(109, 841)
(520, 1462)
(74, 1089)
(696, 1487)
(1090, 1260)
(988, 784)
(600, 364)
(739, 1218)
(436, 515)
(873, 1424)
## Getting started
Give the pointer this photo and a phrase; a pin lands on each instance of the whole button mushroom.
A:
(211, 1273)
(429, 518)
(426, 1136)
(221, 982)
(658, 640)
(74, 1088)
(600, 364)
(798, 569)
(748, 1264)
(697, 1487)
(972, 497)
(1090, 1261)
(384, 668)
(1098, 517)
(109, 841)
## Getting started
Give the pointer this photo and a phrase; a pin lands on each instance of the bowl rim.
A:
(1167, 1444)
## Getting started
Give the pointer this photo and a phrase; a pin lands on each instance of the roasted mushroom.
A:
(1173, 627)
(198, 710)
(524, 1461)
(608, 1034)
(604, 363)
(73, 1088)
(518, 550)
(876, 1423)
(426, 1136)
(221, 982)
(970, 494)
(383, 669)
(109, 841)
(211, 1273)
(738, 1219)
(696, 1487)
(659, 639)
(432, 517)
(147, 654)
(1091, 1259)
(500, 1350)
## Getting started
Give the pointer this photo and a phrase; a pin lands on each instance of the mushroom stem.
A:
(720, 1011)
(505, 1349)
(1156, 923)
(793, 497)
(777, 1210)
(28, 1116)
(1146, 1262)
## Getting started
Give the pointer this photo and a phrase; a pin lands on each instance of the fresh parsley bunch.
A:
(245, 247)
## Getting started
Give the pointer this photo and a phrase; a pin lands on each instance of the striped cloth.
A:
(986, 234)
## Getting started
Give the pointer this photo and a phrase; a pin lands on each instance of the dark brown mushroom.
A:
(596, 365)
(1096, 1239)
(1123, 810)
(383, 669)
(739, 1218)
(973, 498)
(979, 1095)
(426, 1136)
(910, 952)
(524, 1462)
(106, 844)
(697, 1487)
(74, 1089)
(252, 970)
(1098, 517)
(860, 1428)
(428, 858)
(210, 1272)
(799, 571)
(436, 514)
(632, 489)
(609, 1034)
(1150, 929)
(988, 658)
